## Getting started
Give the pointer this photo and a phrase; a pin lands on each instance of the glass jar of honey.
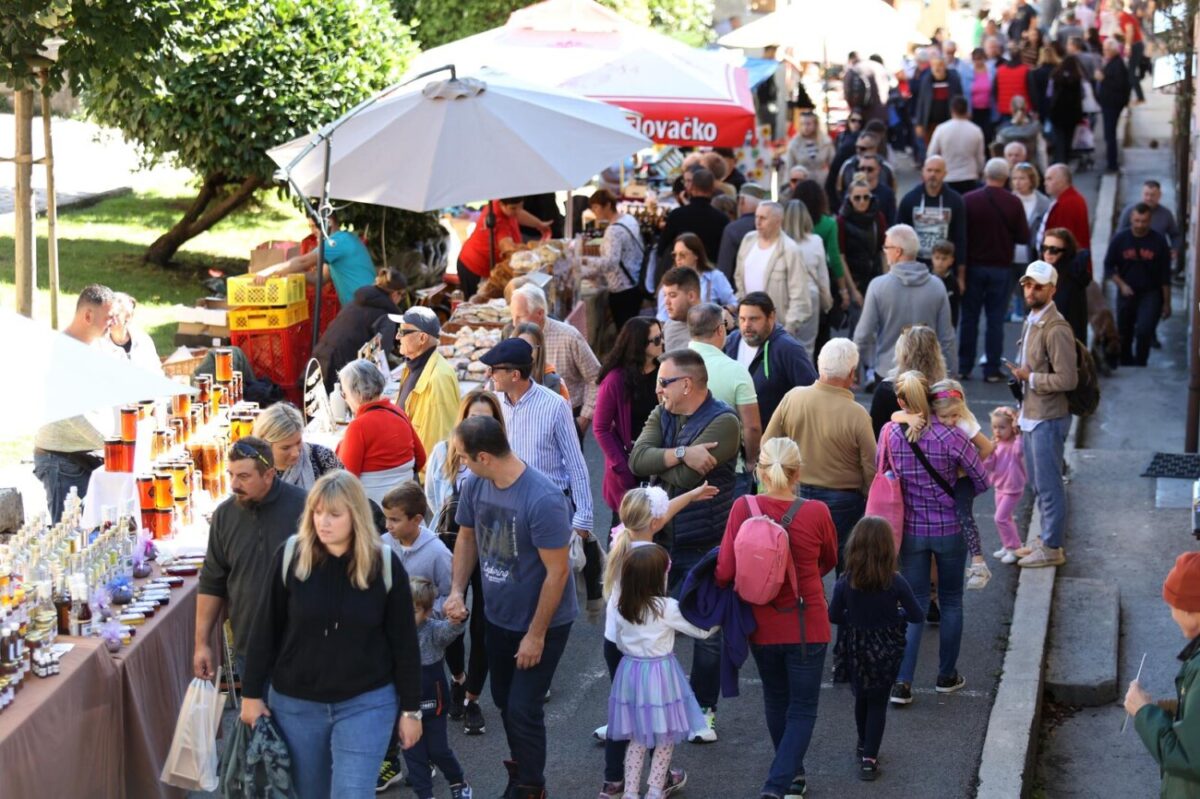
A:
(223, 369)
(129, 421)
(164, 492)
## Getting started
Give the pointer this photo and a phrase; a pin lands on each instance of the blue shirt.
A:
(350, 265)
(511, 525)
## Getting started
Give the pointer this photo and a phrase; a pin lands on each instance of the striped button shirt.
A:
(928, 509)
(542, 433)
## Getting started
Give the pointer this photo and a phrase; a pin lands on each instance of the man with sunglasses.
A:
(869, 143)
(428, 386)
(870, 166)
(245, 532)
(689, 438)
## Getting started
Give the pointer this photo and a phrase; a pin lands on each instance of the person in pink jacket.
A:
(1005, 469)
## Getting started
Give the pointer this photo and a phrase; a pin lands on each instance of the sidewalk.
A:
(1119, 533)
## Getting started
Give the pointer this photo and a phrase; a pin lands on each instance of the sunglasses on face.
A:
(404, 333)
(854, 121)
(655, 341)
(665, 382)
(869, 170)
(859, 198)
(1049, 250)
(863, 149)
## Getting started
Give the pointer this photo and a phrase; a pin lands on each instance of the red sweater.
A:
(814, 551)
(1070, 211)
(380, 437)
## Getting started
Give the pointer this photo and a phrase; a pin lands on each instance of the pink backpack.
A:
(763, 554)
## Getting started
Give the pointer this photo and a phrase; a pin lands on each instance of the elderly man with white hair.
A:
(835, 437)
(566, 348)
(996, 223)
(907, 294)
(771, 262)
(428, 386)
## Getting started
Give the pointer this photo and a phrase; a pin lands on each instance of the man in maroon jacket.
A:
(995, 223)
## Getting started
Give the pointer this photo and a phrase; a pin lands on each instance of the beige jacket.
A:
(1050, 356)
(787, 281)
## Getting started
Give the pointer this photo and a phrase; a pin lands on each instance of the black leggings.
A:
(456, 657)
(468, 281)
(870, 713)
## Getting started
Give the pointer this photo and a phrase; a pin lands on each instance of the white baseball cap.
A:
(1041, 273)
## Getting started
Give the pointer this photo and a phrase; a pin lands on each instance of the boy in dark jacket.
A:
(943, 268)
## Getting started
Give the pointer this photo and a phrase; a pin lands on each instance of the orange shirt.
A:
(474, 253)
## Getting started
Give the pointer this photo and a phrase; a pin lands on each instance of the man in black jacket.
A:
(775, 359)
(1114, 96)
(698, 217)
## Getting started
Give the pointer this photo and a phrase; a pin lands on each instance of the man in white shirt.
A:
(961, 143)
(770, 262)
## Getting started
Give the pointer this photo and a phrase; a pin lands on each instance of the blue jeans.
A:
(58, 472)
(706, 654)
(1044, 461)
(950, 552)
(520, 694)
(1137, 317)
(846, 508)
(336, 747)
(434, 747)
(988, 288)
(791, 681)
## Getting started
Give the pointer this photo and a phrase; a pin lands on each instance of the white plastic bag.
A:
(576, 555)
(192, 760)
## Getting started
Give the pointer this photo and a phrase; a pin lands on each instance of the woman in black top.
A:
(336, 637)
(917, 350)
(1066, 106)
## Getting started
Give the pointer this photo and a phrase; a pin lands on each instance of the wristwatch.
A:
(680, 452)
(415, 715)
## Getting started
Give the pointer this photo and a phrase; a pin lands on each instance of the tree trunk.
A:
(202, 214)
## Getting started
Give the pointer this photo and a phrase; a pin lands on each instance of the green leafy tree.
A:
(238, 79)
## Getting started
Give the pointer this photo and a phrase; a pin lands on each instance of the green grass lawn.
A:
(105, 242)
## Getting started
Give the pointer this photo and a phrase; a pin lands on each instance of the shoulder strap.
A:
(937, 478)
(289, 551)
(753, 503)
(792, 511)
(387, 566)
(641, 249)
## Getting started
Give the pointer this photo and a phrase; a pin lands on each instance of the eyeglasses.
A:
(242, 451)
(665, 382)
(869, 170)
(862, 149)
(892, 247)
(679, 255)
(1046, 248)
(500, 368)
(859, 198)
(655, 341)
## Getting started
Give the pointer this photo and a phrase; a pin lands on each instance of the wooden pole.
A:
(51, 202)
(25, 257)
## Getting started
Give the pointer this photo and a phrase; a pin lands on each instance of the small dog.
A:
(1106, 341)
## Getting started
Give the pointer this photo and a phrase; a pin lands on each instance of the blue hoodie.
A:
(785, 366)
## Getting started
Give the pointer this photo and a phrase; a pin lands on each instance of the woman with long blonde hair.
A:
(328, 593)
(917, 349)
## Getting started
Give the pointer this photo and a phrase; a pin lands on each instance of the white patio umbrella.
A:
(443, 141)
(51, 376)
(825, 32)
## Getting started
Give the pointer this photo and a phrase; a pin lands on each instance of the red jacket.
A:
(474, 252)
(380, 437)
(1070, 211)
(814, 551)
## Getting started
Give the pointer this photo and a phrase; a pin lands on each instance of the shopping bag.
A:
(885, 499)
(1083, 139)
(192, 760)
(576, 555)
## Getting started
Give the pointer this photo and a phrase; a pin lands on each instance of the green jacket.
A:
(1175, 742)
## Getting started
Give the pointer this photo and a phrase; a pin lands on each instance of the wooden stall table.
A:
(62, 734)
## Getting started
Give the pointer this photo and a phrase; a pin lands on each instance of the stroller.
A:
(1083, 146)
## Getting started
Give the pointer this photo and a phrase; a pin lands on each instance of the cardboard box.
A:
(193, 334)
(211, 317)
(270, 253)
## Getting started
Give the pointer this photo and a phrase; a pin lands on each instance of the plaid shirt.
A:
(929, 510)
(568, 352)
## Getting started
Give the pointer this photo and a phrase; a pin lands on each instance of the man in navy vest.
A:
(689, 438)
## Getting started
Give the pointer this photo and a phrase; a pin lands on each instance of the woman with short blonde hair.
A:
(297, 461)
(328, 593)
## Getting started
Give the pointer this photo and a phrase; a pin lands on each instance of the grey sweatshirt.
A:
(428, 557)
(434, 635)
(907, 295)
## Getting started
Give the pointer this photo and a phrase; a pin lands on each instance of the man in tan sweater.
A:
(834, 435)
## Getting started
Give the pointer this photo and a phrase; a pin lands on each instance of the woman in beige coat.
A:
(769, 261)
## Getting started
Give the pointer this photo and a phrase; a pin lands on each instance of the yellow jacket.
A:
(433, 404)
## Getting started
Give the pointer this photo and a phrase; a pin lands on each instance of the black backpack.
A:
(1085, 397)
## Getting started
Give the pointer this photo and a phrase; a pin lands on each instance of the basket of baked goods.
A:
(492, 313)
(467, 347)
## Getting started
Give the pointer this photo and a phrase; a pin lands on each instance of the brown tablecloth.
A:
(103, 727)
(62, 735)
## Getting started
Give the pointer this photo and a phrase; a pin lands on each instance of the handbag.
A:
(1089, 105)
(885, 499)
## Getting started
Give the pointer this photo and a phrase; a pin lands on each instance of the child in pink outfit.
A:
(1005, 469)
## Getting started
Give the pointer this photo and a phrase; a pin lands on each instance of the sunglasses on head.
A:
(242, 451)
(1046, 248)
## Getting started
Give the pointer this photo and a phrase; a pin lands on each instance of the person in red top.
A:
(1068, 209)
(790, 656)
(1131, 29)
(379, 446)
(474, 265)
(1013, 79)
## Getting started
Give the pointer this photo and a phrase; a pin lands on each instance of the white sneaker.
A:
(978, 576)
(1010, 557)
(600, 733)
(999, 553)
(709, 734)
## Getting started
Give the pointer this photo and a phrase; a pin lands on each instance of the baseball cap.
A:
(420, 317)
(1041, 273)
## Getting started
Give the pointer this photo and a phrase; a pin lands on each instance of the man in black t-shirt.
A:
(1139, 263)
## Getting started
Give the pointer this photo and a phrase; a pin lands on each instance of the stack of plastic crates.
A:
(270, 323)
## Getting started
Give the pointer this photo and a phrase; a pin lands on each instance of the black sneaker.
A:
(797, 789)
(901, 694)
(389, 774)
(948, 685)
(934, 614)
(458, 698)
(868, 770)
(473, 721)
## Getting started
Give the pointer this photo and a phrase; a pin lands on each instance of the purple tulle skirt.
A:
(652, 702)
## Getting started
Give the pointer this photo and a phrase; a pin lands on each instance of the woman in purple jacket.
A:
(626, 397)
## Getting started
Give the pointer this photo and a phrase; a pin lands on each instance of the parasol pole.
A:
(324, 211)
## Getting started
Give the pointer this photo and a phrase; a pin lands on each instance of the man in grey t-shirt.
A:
(517, 525)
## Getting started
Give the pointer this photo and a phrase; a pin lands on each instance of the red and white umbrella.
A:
(677, 94)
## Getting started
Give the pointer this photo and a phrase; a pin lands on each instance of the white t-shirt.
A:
(611, 613)
(754, 273)
(746, 353)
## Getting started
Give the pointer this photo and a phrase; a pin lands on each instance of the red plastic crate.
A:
(278, 354)
(329, 304)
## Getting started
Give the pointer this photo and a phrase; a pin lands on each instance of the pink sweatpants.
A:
(1005, 505)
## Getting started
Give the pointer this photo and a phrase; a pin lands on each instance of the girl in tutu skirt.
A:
(651, 705)
(872, 605)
